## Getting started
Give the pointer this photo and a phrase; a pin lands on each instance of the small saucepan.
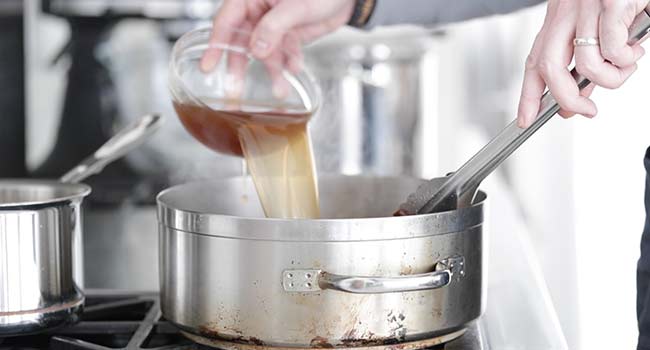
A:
(40, 239)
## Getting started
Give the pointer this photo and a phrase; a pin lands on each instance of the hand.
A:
(607, 65)
(277, 25)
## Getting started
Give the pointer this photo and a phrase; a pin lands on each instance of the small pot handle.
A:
(445, 271)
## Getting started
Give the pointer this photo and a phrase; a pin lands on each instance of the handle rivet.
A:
(308, 284)
(289, 275)
(308, 275)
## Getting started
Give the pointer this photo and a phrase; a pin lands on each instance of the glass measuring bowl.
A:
(239, 85)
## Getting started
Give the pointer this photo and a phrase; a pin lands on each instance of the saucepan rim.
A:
(318, 230)
(67, 192)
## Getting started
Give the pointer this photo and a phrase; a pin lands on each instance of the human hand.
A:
(607, 65)
(277, 26)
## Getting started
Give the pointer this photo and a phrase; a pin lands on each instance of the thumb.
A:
(270, 30)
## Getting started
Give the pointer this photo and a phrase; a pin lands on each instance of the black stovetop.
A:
(134, 321)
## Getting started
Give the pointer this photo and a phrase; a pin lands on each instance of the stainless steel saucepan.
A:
(233, 279)
(40, 239)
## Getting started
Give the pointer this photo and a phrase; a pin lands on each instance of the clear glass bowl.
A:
(238, 83)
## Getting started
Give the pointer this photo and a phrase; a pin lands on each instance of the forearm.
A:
(435, 12)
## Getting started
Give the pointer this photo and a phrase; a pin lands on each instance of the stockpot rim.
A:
(318, 230)
(70, 192)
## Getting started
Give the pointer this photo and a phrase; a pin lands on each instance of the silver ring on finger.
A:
(585, 41)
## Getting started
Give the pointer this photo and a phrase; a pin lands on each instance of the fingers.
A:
(586, 92)
(547, 66)
(531, 93)
(589, 61)
(593, 66)
(615, 20)
(272, 27)
(274, 66)
(231, 15)
(555, 52)
(628, 71)
(293, 55)
(556, 56)
(533, 85)
(237, 63)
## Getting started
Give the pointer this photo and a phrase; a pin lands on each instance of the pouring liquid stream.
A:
(274, 141)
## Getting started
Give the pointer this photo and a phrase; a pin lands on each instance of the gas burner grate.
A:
(111, 322)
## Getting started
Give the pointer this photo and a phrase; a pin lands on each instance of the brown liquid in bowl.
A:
(275, 142)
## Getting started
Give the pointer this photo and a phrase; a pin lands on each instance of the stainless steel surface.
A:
(301, 280)
(116, 147)
(382, 108)
(357, 197)
(22, 193)
(459, 188)
(40, 227)
(222, 265)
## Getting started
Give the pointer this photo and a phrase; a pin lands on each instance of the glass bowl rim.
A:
(185, 42)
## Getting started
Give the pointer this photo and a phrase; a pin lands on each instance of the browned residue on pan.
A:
(212, 333)
(324, 343)
(406, 270)
(401, 212)
(321, 343)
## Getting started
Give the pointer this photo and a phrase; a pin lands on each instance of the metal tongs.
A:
(459, 188)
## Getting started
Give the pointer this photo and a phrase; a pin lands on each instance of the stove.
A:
(134, 321)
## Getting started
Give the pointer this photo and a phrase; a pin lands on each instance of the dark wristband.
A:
(362, 11)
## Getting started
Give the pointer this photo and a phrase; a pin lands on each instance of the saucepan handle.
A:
(445, 272)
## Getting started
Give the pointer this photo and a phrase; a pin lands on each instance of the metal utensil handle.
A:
(117, 146)
(469, 176)
(446, 271)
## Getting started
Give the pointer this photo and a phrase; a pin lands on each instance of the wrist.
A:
(361, 13)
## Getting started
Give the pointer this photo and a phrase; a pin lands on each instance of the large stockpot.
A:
(231, 278)
(40, 233)
(383, 101)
